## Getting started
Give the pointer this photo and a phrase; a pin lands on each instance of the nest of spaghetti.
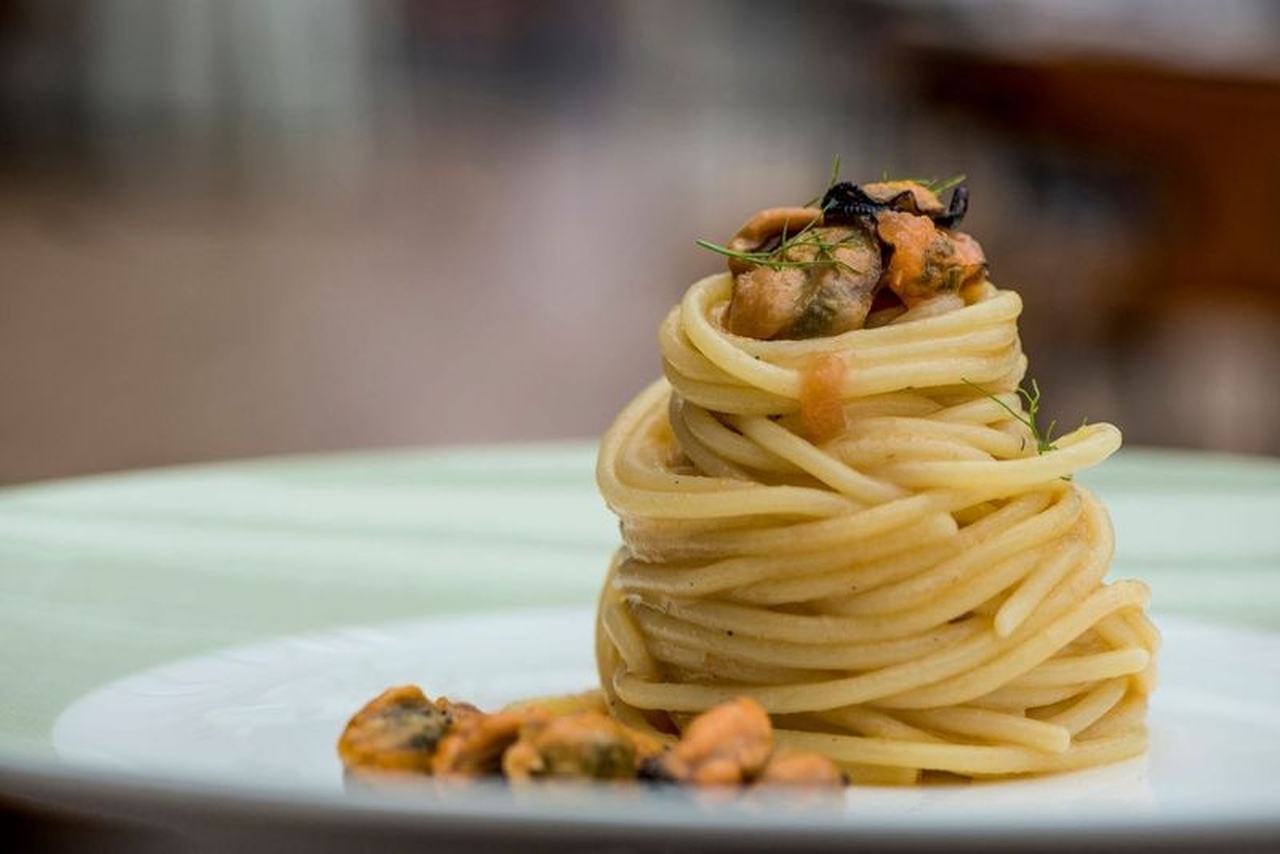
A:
(838, 503)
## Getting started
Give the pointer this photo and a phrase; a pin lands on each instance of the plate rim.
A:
(136, 792)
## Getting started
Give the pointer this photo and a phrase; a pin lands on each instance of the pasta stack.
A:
(918, 588)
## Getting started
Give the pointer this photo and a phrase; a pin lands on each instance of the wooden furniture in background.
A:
(1209, 142)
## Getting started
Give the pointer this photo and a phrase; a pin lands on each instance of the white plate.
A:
(106, 582)
(268, 716)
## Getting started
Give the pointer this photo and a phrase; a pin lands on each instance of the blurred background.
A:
(254, 227)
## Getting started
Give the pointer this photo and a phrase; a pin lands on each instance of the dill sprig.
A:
(941, 186)
(1031, 403)
(776, 258)
(832, 180)
(937, 186)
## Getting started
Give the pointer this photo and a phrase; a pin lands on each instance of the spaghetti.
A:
(860, 531)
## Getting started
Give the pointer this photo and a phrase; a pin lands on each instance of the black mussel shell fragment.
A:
(846, 203)
(956, 208)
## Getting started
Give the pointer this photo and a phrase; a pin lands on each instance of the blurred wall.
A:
(244, 228)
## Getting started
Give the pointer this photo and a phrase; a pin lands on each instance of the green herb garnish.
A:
(775, 258)
(832, 180)
(938, 186)
(1031, 400)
